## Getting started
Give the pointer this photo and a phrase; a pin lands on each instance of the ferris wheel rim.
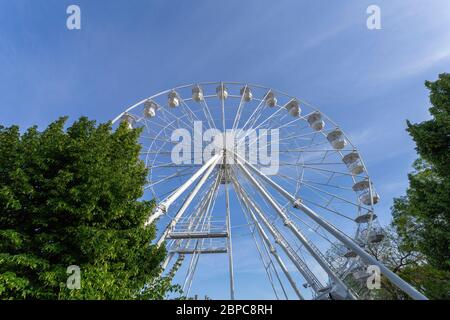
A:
(278, 92)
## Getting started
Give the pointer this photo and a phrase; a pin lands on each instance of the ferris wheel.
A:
(228, 160)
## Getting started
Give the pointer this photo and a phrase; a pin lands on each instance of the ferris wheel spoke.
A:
(293, 182)
(300, 137)
(282, 141)
(331, 171)
(153, 125)
(179, 120)
(207, 113)
(256, 117)
(254, 129)
(273, 125)
(260, 105)
(273, 115)
(315, 229)
(166, 123)
(160, 153)
(282, 163)
(171, 165)
(153, 143)
(328, 208)
(239, 110)
(309, 182)
(190, 112)
(333, 196)
(159, 139)
(178, 174)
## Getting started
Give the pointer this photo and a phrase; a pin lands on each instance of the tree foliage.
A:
(408, 264)
(72, 197)
(422, 216)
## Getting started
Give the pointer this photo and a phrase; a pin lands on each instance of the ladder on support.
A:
(205, 238)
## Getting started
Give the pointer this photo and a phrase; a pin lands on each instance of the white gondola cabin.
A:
(150, 108)
(337, 139)
(376, 235)
(174, 99)
(366, 218)
(246, 94)
(360, 273)
(222, 92)
(128, 120)
(315, 121)
(293, 107)
(197, 94)
(353, 163)
(270, 99)
(367, 195)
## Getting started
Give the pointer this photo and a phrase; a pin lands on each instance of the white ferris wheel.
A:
(307, 193)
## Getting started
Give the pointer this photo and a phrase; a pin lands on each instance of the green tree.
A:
(422, 216)
(410, 265)
(72, 197)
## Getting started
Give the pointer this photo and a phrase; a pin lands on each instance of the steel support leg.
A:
(272, 249)
(164, 206)
(230, 245)
(187, 202)
(204, 207)
(283, 243)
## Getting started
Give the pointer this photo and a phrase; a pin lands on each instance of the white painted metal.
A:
(164, 206)
(263, 234)
(188, 201)
(316, 159)
(281, 241)
(229, 241)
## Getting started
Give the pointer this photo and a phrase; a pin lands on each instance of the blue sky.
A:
(368, 81)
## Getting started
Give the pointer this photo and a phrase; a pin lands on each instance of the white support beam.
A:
(229, 242)
(281, 241)
(188, 201)
(204, 207)
(164, 205)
